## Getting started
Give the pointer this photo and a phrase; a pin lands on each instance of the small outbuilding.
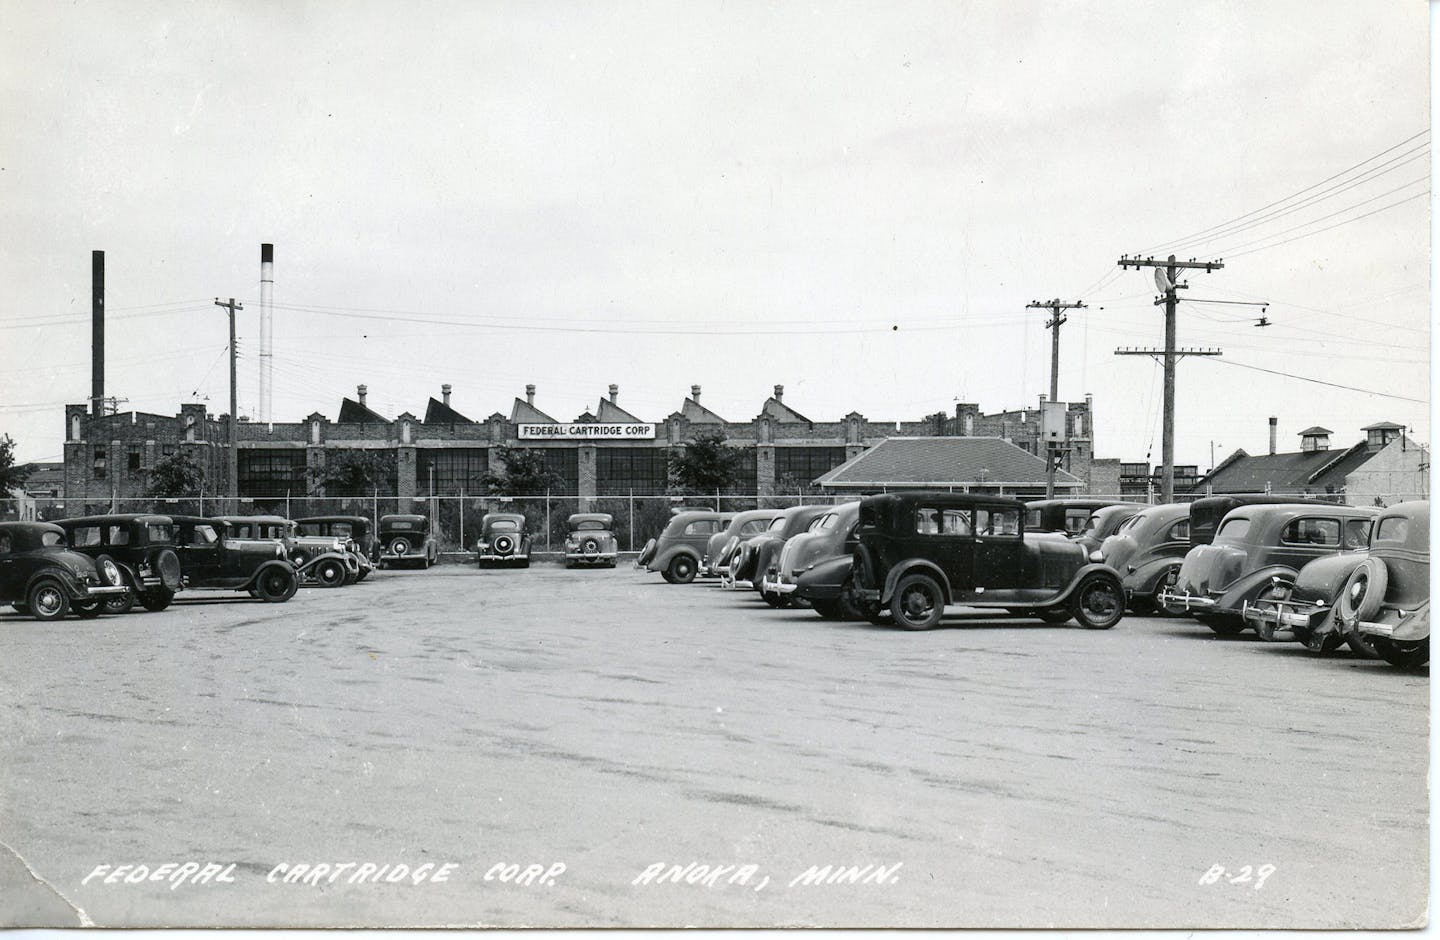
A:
(962, 464)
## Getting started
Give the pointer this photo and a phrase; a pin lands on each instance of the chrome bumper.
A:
(591, 556)
(1186, 600)
(1285, 620)
(772, 585)
(491, 556)
(103, 591)
(1372, 628)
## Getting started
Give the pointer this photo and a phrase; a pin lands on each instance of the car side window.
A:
(85, 536)
(1032, 518)
(1179, 532)
(927, 521)
(1075, 519)
(956, 522)
(1324, 532)
(4, 543)
(1357, 533)
(700, 528)
(753, 527)
(118, 535)
(204, 535)
(997, 521)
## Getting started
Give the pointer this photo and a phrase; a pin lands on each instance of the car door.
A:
(1304, 539)
(946, 536)
(199, 549)
(999, 548)
(11, 584)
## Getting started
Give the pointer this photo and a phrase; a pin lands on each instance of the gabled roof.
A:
(611, 413)
(1316, 430)
(1384, 426)
(352, 412)
(944, 461)
(437, 412)
(696, 413)
(526, 413)
(1315, 469)
(782, 412)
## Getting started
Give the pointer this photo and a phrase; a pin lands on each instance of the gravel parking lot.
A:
(995, 772)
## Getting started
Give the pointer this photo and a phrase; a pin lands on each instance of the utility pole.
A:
(1167, 280)
(232, 471)
(1057, 319)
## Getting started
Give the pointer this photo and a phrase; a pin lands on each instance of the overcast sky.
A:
(856, 201)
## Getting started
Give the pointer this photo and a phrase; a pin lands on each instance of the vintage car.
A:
(919, 551)
(1066, 514)
(591, 540)
(832, 535)
(142, 545)
(43, 577)
(405, 538)
(353, 532)
(210, 559)
(317, 559)
(743, 568)
(1207, 512)
(678, 551)
(1105, 522)
(722, 545)
(1257, 552)
(1361, 598)
(762, 553)
(503, 540)
(1146, 551)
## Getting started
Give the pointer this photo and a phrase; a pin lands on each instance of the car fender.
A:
(266, 566)
(662, 560)
(1144, 579)
(314, 561)
(915, 566)
(1063, 596)
(62, 576)
(1414, 626)
(1247, 586)
(825, 578)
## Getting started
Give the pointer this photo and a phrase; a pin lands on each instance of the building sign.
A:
(1052, 421)
(589, 431)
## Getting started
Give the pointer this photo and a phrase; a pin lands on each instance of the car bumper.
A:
(491, 556)
(108, 590)
(1285, 616)
(772, 584)
(1186, 601)
(591, 556)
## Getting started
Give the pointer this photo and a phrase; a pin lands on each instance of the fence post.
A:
(462, 520)
(632, 520)
(547, 520)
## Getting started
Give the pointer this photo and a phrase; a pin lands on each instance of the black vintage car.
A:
(761, 557)
(591, 540)
(405, 538)
(920, 551)
(354, 532)
(41, 576)
(209, 558)
(142, 545)
(503, 540)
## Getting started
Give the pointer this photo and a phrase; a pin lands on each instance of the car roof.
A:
(404, 517)
(580, 517)
(694, 515)
(1076, 503)
(333, 519)
(117, 517)
(30, 527)
(909, 498)
(200, 520)
(490, 517)
(240, 520)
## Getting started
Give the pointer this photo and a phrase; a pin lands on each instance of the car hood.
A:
(1210, 569)
(1117, 550)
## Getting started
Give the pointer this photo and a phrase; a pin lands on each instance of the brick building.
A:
(606, 451)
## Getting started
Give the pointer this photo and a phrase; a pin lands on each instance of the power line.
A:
(1327, 228)
(1306, 378)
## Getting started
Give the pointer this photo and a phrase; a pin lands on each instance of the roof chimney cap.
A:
(695, 392)
(614, 392)
(445, 393)
(779, 392)
(530, 394)
(360, 390)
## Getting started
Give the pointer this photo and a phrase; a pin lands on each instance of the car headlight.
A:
(1096, 556)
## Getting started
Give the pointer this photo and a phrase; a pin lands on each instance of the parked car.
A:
(744, 568)
(141, 544)
(354, 532)
(591, 540)
(1105, 522)
(42, 576)
(918, 552)
(681, 546)
(832, 535)
(1256, 553)
(503, 540)
(1066, 514)
(405, 538)
(763, 551)
(1146, 551)
(1207, 512)
(1361, 598)
(210, 559)
(722, 545)
(318, 560)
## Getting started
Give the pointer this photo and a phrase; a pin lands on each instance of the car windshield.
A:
(777, 524)
(52, 539)
(160, 533)
(1128, 524)
(1233, 529)
(504, 525)
(591, 525)
(85, 536)
(1393, 529)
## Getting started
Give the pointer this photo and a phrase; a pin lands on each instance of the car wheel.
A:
(774, 599)
(399, 546)
(646, 553)
(1099, 602)
(1277, 591)
(156, 600)
(330, 574)
(276, 585)
(119, 603)
(918, 602)
(47, 600)
(1054, 615)
(1223, 624)
(88, 610)
(1363, 593)
(681, 570)
(1403, 655)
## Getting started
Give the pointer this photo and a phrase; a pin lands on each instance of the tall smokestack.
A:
(1273, 422)
(97, 332)
(530, 395)
(445, 393)
(267, 289)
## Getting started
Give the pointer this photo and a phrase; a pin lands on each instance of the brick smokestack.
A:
(445, 393)
(779, 393)
(614, 394)
(267, 335)
(695, 393)
(1273, 423)
(360, 391)
(530, 395)
(97, 332)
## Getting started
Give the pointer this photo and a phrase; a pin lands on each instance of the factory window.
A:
(799, 466)
(99, 465)
(456, 471)
(272, 472)
(359, 472)
(132, 457)
(565, 464)
(745, 482)
(620, 471)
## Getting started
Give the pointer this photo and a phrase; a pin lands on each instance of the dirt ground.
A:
(554, 748)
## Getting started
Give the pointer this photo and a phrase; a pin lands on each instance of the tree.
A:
(705, 464)
(175, 476)
(356, 473)
(12, 477)
(525, 474)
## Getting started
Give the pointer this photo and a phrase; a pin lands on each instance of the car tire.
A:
(778, 601)
(1099, 602)
(157, 599)
(47, 600)
(1363, 593)
(1277, 591)
(1055, 615)
(647, 552)
(118, 603)
(1403, 655)
(918, 602)
(276, 585)
(330, 574)
(681, 570)
(88, 610)
(1223, 624)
